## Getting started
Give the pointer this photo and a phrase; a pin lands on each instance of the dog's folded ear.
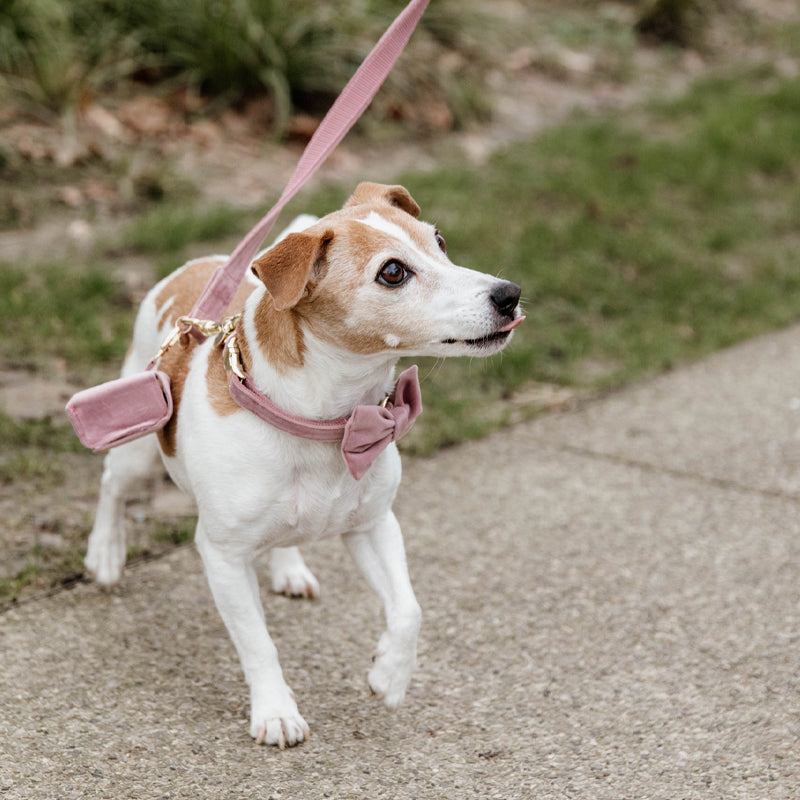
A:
(287, 267)
(397, 196)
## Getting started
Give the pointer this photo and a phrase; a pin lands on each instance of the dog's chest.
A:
(265, 487)
(310, 503)
(309, 509)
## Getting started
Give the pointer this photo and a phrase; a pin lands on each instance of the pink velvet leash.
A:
(347, 108)
(370, 429)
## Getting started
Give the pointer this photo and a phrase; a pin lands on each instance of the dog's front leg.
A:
(380, 554)
(274, 718)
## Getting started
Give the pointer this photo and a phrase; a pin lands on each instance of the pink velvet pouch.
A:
(118, 411)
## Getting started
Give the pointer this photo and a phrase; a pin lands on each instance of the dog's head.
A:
(373, 278)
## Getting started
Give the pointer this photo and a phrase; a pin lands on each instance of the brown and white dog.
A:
(326, 313)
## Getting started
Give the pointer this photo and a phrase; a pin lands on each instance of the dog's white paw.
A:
(293, 578)
(297, 583)
(105, 560)
(391, 672)
(278, 723)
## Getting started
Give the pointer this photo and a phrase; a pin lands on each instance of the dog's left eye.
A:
(441, 242)
(393, 273)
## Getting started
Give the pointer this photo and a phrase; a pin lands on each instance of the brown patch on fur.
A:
(244, 347)
(326, 312)
(371, 193)
(289, 270)
(280, 337)
(217, 382)
(176, 364)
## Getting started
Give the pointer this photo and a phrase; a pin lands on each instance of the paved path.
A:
(611, 610)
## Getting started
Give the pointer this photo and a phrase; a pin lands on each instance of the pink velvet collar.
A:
(364, 434)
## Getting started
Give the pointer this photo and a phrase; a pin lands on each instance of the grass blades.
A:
(62, 310)
(167, 229)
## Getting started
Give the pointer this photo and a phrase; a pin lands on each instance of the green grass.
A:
(167, 229)
(44, 570)
(29, 449)
(43, 434)
(177, 532)
(60, 309)
(11, 586)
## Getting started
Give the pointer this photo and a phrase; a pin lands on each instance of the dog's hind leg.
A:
(124, 469)
(381, 556)
(274, 718)
(290, 575)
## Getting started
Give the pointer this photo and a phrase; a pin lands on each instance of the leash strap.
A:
(347, 108)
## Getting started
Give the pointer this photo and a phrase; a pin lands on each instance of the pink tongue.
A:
(511, 325)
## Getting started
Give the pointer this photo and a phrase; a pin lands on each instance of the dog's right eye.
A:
(393, 273)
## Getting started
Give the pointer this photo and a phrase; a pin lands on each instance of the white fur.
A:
(257, 487)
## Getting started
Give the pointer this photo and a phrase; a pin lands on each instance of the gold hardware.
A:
(173, 337)
(226, 328)
(206, 327)
(384, 402)
(232, 358)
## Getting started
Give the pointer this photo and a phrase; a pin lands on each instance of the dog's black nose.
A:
(505, 297)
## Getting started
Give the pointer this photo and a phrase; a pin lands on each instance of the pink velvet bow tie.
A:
(365, 434)
(370, 429)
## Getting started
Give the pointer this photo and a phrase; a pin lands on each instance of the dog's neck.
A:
(324, 382)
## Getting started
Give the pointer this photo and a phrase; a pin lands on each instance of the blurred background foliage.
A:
(54, 54)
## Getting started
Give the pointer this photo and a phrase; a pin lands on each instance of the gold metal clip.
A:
(173, 337)
(207, 327)
(226, 328)
(232, 358)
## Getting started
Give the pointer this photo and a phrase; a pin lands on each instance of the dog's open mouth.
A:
(484, 341)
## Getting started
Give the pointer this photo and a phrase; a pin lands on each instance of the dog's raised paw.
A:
(391, 673)
(104, 563)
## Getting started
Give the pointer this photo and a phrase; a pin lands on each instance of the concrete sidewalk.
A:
(611, 605)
